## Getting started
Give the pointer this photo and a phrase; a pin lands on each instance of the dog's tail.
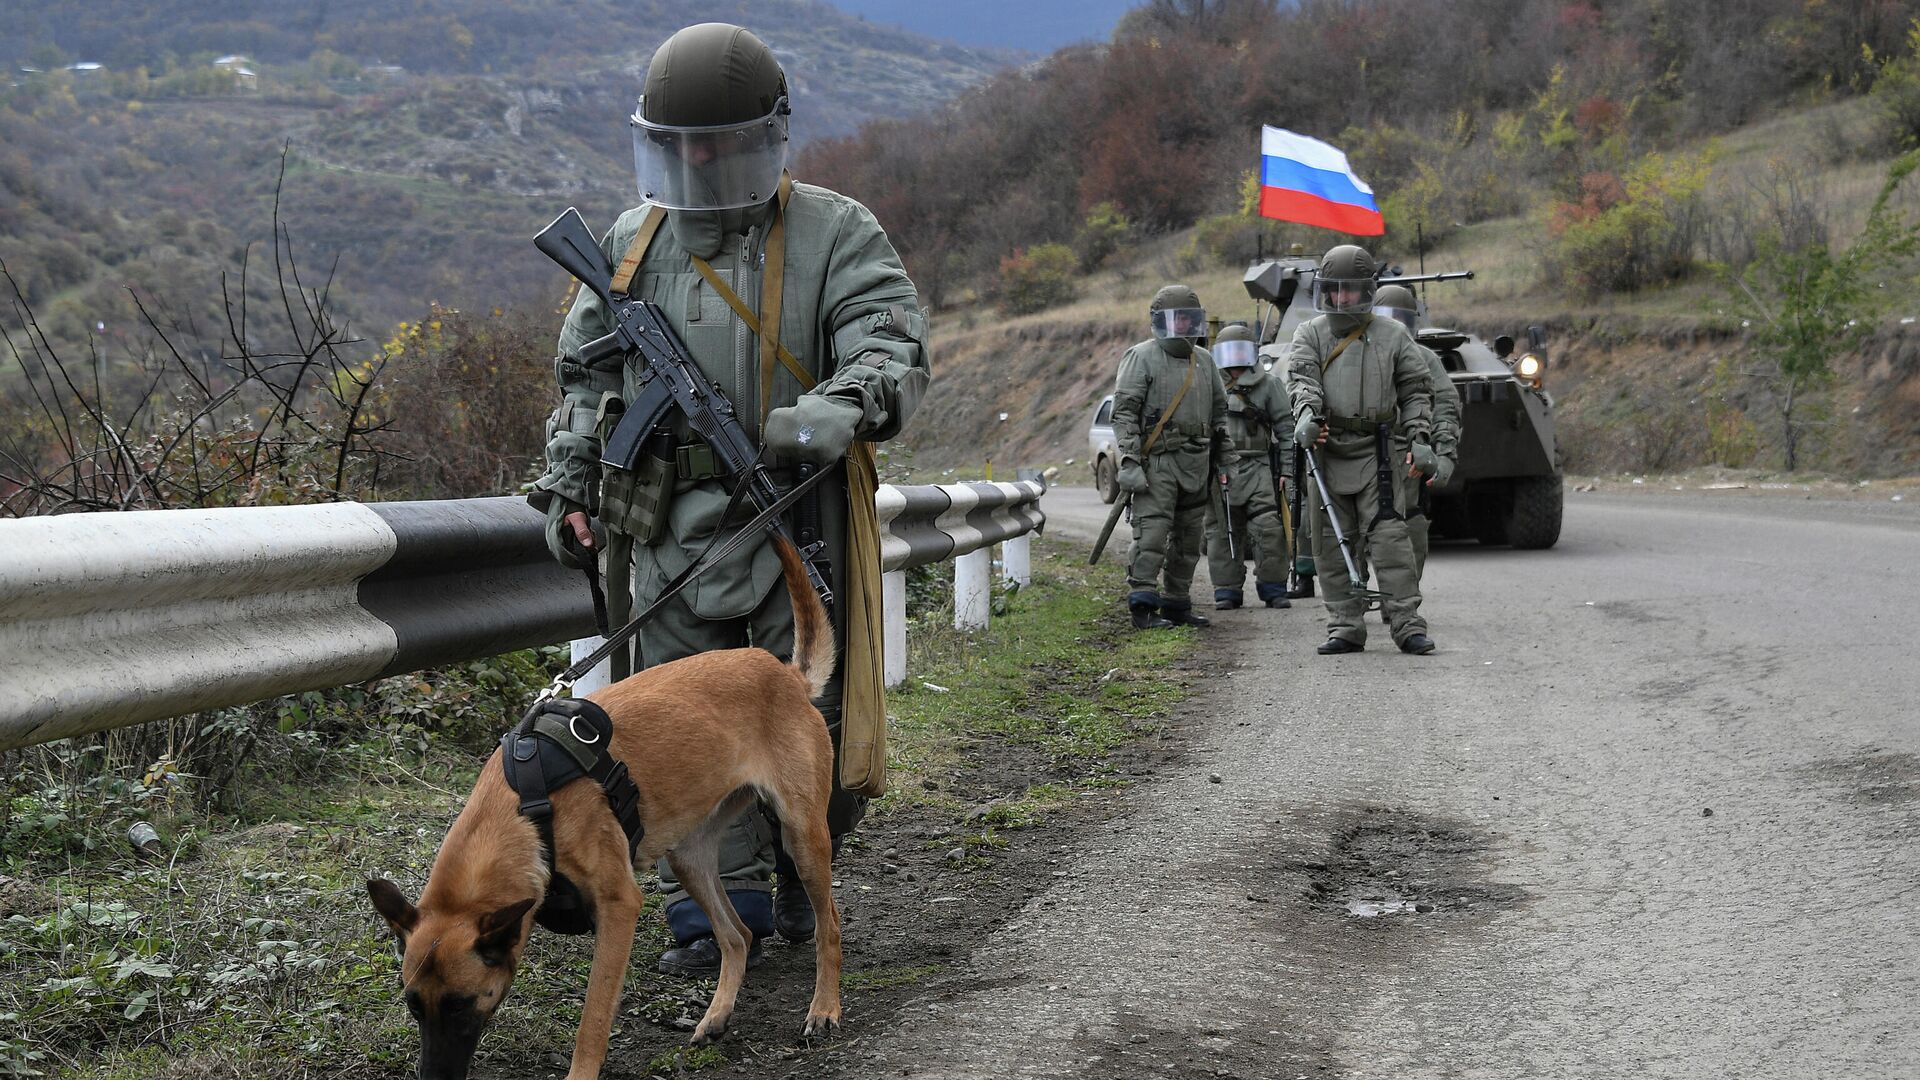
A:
(813, 655)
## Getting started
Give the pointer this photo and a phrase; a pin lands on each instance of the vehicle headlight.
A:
(1529, 367)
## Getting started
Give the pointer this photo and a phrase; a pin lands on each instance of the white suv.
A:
(1101, 453)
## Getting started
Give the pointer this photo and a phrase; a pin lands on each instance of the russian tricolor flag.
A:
(1305, 180)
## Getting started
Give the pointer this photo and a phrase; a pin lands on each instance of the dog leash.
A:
(563, 682)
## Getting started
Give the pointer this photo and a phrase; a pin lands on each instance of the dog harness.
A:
(560, 740)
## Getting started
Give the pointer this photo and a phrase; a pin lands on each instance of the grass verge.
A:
(248, 945)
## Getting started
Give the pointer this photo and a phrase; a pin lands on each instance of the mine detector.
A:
(1508, 487)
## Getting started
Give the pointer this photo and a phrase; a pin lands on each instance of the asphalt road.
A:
(1651, 811)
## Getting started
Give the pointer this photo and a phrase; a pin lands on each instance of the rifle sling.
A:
(1342, 347)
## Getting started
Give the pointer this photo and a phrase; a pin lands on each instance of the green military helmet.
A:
(1345, 283)
(1176, 313)
(710, 131)
(1397, 303)
(1235, 347)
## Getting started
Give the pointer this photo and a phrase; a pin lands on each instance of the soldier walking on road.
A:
(1397, 302)
(795, 306)
(1356, 382)
(1169, 425)
(1246, 520)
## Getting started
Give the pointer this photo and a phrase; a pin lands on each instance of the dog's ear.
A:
(499, 932)
(399, 912)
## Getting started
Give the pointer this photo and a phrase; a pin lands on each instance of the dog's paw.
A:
(822, 1025)
(709, 1032)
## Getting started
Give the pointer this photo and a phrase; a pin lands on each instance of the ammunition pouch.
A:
(695, 461)
(634, 501)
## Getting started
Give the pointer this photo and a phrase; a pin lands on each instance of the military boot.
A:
(700, 959)
(1180, 613)
(1226, 599)
(1335, 646)
(1273, 594)
(1145, 607)
(1302, 588)
(1417, 644)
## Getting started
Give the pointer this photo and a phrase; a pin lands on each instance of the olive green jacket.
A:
(1259, 416)
(849, 313)
(1195, 435)
(1379, 378)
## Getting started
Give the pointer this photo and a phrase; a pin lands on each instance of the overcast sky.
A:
(1038, 26)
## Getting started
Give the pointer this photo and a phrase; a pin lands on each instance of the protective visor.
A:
(1342, 296)
(1404, 316)
(1233, 354)
(1185, 322)
(724, 167)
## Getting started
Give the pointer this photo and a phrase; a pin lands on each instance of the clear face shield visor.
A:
(1342, 296)
(1186, 322)
(724, 167)
(1406, 317)
(1234, 355)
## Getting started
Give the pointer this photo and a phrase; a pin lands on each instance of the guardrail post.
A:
(1016, 556)
(893, 646)
(972, 589)
(602, 673)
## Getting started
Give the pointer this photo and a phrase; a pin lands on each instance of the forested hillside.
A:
(1621, 172)
(425, 142)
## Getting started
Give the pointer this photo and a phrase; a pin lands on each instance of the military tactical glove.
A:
(1424, 460)
(1133, 478)
(1306, 432)
(1442, 472)
(563, 540)
(815, 428)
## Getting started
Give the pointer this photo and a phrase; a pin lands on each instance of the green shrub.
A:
(1630, 232)
(1038, 278)
(1896, 90)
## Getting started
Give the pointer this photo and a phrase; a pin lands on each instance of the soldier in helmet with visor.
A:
(795, 306)
(1244, 521)
(1358, 383)
(1169, 425)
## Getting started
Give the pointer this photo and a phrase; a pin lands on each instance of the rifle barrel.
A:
(1417, 279)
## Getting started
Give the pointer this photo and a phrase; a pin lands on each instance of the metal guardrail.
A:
(112, 619)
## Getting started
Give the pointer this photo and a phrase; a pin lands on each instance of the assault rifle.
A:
(671, 380)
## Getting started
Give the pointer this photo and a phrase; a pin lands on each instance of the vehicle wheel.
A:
(1487, 507)
(1533, 518)
(1106, 479)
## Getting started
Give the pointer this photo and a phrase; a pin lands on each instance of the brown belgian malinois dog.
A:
(703, 737)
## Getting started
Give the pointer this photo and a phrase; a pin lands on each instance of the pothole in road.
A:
(1386, 865)
(1870, 777)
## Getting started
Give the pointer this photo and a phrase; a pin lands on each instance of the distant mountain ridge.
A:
(1009, 24)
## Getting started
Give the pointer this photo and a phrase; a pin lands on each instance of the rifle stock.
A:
(567, 241)
(1106, 531)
